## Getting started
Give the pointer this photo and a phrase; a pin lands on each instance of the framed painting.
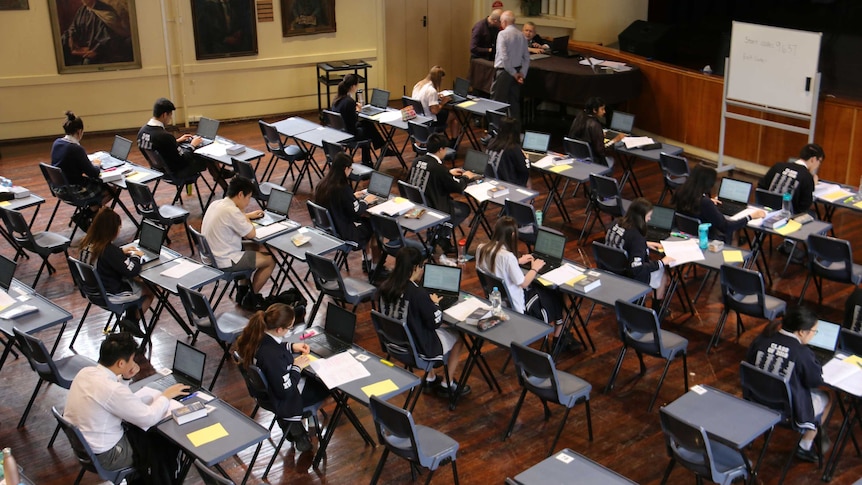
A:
(224, 28)
(14, 5)
(95, 35)
(307, 17)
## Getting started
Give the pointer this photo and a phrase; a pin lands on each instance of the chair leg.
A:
(80, 324)
(685, 370)
(660, 382)
(589, 419)
(430, 474)
(455, 472)
(719, 327)
(667, 471)
(559, 431)
(515, 414)
(314, 310)
(616, 371)
(379, 469)
(804, 288)
(275, 454)
(30, 404)
(54, 436)
(789, 460)
(218, 369)
(80, 476)
(189, 236)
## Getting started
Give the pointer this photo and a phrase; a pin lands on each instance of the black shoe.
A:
(785, 247)
(132, 327)
(252, 302)
(807, 455)
(297, 434)
(459, 389)
(572, 344)
(241, 291)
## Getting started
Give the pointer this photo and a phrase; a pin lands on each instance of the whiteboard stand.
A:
(725, 114)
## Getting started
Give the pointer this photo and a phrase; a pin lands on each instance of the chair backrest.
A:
(495, 120)
(766, 198)
(395, 429)
(333, 119)
(210, 477)
(154, 158)
(536, 372)
(688, 443)
(397, 341)
(85, 455)
(524, 214)
(738, 283)
(321, 218)
(259, 388)
(612, 259)
(850, 341)
(674, 168)
(56, 180)
(38, 356)
(245, 170)
(204, 251)
(325, 273)
(331, 150)
(200, 313)
(142, 197)
(17, 226)
(830, 258)
(489, 281)
(271, 138)
(686, 224)
(853, 311)
(579, 150)
(90, 283)
(388, 231)
(417, 105)
(412, 193)
(769, 389)
(635, 322)
(605, 194)
(419, 132)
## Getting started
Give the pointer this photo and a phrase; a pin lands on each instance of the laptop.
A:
(150, 242)
(445, 282)
(207, 130)
(276, 208)
(825, 341)
(476, 162)
(660, 224)
(119, 153)
(560, 47)
(380, 186)
(733, 195)
(621, 123)
(7, 272)
(536, 142)
(461, 90)
(187, 369)
(378, 103)
(550, 247)
(338, 331)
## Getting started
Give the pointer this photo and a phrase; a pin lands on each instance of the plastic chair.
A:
(166, 214)
(415, 103)
(609, 258)
(60, 188)
(59, 372)
(773, 391)
(210, 477)
(85, 455)
(690, 445)
(224, 329)
(766, 198)
(278, 150)
(358, 171)
(420, 445)
(412, 193)
(853, 311)
(261, 190)
(156, 162)
(640, 329)
(743, 291)
(850, 341)
(580, 150)
(605, 198)
(390, 239)
(43, 243)
(525, 217)
(537, 374)
(420, 133)
(675, 171)
(329, 282)
(206, 257)
(686, 224)
(489, 281)
(334, 120)
(322, 219)
(830, 258)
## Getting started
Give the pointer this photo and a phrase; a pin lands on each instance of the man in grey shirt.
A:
(511, 62)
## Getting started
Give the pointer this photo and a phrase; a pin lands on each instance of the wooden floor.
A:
(627, 438)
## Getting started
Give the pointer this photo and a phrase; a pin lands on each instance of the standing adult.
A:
(483, 37)
(798, 177)
(511, 63)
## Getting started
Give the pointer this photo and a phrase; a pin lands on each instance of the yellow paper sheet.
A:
(732, 256)
(466, 104)
(399, 200)
(380, 388)
(4, 203)
(544, 281)
(835, 195)
(134, 176)
(559, 168)
(854, 359)
(789, 228)
(207, 435)
(858, 204)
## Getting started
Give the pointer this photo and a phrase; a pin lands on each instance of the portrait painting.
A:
(224, 28)
(14, 5)
(95, 35)
(307, 17)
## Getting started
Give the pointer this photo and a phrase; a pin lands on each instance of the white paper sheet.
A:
(389, 116)
(637, 141)
(823, 188)
(479, 191)
(843, 375)
(393, 207)
(214, 149)
(180, 269)
(339, 369)
(5, 300)
(562, 274)
(465, 307)
(682, 251)
(270, 229)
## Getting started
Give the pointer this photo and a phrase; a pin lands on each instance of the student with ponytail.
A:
(263, 344)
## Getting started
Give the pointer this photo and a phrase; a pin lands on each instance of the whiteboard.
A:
(773, 67)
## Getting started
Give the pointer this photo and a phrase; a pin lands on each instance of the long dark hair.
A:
(103, 230)
(344, 86)
(72, 123)
(508, 136)
(591, 110)
(505, 236)
(278, 315)
(332, 184)
(687, 198)
(635, 217)
(798, 317)
(406, 261)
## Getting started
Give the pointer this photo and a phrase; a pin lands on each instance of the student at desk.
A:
(427, 92)
(507, 161)
(118, 268)
(345, 104)
(403, 299)
(694, 199)
(111, 417)
(262, 343)
(782, 349)
(587, 126)
(535, 43)
(629, 234)
(798, 177)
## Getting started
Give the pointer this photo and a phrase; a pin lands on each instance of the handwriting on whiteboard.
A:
(778, 46)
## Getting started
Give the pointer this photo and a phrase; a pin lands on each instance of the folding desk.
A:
(139, 174)
(726, 418)
(760, 233)
(475, 107)
(429, 219)
(386, 124)
(479, 206)
(48, 316)
(851, 414)
(216, 151)
(319, 244)
(289, 128)
(833, 200)
(629, 155)
(17, 205)
(555, 175)
(566, 467)
(310, 141)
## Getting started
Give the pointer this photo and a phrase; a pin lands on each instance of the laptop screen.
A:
(7, 271)
(189, 362)
(207, 128)
(121, 148)
(826, 337)
(476, 161)
(152, 236)
(380, 98)
(662, 217)
(279, 201)
(560, 45)
(536, 142)
(339, 322)
(442, 278)
(550, 244)
(733, 189)
(380, 184)
(462, 87)
(622, 121)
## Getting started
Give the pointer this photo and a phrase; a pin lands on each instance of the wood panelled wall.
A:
(685, 106)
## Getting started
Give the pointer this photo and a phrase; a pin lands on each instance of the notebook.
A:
(207, 130)
(536, 142)
(825, 340)
(150, 243)
(733, 195)
(444, 281)
(338, 330)
(276, 208)
(378, 103)
(7, 272)
(379, 185)
(188, 369)
(621, 123)
(660, 224)
(550, 247)
(476, 162)
(560, 47)
(119, 153)
(461, 90)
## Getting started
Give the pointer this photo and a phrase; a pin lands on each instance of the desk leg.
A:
(841, 441)
(330, 430)
(478, 218)
(627, 161)
(474, 357)
(753, 479)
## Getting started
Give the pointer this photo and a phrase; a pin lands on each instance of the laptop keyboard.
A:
(731, 208)
(655, 234)
(371, 110)
(323, 340)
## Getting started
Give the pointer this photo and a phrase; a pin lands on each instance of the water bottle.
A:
(539, 217)
(859, 190)
(703, 235)
(10, 468)
(786, 205)
(360, 97)
(462, 251)
(496, 303)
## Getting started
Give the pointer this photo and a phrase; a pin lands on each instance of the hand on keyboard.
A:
(176, 390)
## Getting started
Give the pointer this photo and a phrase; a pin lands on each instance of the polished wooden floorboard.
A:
(627, 438)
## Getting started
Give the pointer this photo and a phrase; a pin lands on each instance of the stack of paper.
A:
(479, 191)
(561, 275)
(339, 369)
(682, 251)
(637, 141)
(393, 207)
(844, 374)
(465, 308)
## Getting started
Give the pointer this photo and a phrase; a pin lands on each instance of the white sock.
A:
(806, 444)
(430, 379)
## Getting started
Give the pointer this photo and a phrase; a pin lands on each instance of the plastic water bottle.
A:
(539, 217)
(462, 251)
(859, 190)
(10, 468)
(703, 235)
(360, 97)
(786, 205)
(496, 302)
